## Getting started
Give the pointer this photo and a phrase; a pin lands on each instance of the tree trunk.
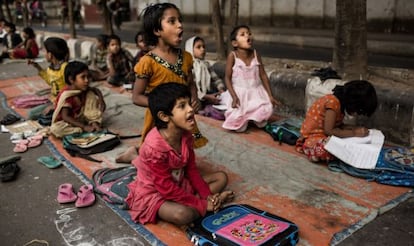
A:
(72, 29)
(107, 20)
(234, 20)
(350, 47)
(8, 12)
(218, 27)
(25, 13)
(1, 9)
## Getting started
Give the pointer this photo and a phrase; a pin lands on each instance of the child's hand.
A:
(213, 98)
(88, 128)
(31, 62)
(360, 131)
(275, 102)
(93, 127)
(195, 103)
(235, 103)
(213, 202)
(34, 64)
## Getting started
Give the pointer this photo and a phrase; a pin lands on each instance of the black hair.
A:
(152, 21)
(29, 31)
(139, 33)
(197, 38)
(58, 47)
(163, 99)
(113, 37)
(10, 25)
(72, 69)
(357, 96)
(103, 38)
(233, 33)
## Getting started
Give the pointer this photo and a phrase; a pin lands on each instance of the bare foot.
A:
(126, 157)
(226, 196)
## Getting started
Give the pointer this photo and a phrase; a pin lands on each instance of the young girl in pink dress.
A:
(247, 83)
(169, 185)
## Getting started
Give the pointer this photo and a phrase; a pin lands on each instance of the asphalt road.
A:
(266, 49)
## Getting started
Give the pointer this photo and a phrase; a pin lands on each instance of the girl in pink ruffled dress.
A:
(249, 95)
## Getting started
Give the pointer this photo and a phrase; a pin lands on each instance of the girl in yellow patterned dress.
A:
(166, 62)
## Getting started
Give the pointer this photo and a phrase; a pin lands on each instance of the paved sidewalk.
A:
(29, 208)
(43, 218)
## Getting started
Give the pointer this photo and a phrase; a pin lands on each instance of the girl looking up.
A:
(166, 62)
(169, 186)
(248, 85)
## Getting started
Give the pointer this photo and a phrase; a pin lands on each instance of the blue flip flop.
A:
(49, 161)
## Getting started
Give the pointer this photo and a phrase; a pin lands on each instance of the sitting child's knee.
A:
(184, 215)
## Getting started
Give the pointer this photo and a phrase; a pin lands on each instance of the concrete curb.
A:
(395, 114)
(378, 43)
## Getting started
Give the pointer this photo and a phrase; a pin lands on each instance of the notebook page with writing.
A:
(358, 152)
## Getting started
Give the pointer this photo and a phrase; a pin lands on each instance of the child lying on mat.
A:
(325, 118)
(79, 107)
(168, 185)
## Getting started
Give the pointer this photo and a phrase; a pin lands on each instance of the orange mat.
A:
(327, 206)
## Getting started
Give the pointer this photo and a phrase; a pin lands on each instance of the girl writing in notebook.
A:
(325, 118)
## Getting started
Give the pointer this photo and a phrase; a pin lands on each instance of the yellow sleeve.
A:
(144, 68)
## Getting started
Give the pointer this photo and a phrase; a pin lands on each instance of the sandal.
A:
(33, 142)
(9, 170)
(86, 197)
(49, 161)
(9, 119)
(21, 146)
(66, 194)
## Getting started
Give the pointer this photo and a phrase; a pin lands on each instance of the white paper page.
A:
(374, 137)
(354, 153)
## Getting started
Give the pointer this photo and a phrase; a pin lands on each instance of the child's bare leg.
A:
(216, 181)
(126, 157)
(177, 214)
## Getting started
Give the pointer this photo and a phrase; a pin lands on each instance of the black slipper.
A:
(8, 171)
(9, 119)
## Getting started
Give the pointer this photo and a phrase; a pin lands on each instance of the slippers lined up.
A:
(84, 198)
(24, 144)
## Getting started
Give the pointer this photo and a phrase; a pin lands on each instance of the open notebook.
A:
(360, 152)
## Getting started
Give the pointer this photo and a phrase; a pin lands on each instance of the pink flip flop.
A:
(33, 142)
(86, 196)
(20, 148)
(66, 194)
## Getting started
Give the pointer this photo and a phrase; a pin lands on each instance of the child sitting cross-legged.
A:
(325, 118)
(119, 63)
(168, 185)
(79, 107)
